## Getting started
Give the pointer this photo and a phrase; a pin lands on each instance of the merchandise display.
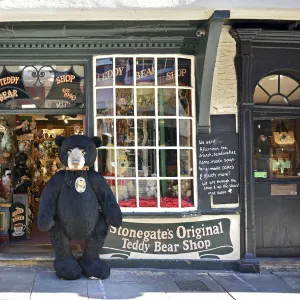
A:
(28, 159)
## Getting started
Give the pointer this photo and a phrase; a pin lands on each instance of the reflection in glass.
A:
(145, 71)
(106, 162)
(147, 166)
(185, 103)
(169, 193)
(166, 102)
(127, 192)
(125, 102)
(184, 72)
(105, 130)
(148, 193)
(185, 133)
(104, 72)
(167, 132)
(146, 132)
(126, 163)
(145, 102)
(168, 162)
(186, 162)
(187, 188)
(105, 102)
(166, 71)
(124, 71)
(125, 132)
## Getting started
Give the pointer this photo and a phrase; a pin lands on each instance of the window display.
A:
(277, 148)
(145, 118)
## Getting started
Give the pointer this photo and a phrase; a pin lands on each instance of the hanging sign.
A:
(218, 164)
(18, 222)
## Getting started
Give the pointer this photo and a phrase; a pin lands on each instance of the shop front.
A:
(173, 168)
(268, 70)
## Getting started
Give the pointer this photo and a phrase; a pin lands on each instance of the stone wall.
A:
(224, 90)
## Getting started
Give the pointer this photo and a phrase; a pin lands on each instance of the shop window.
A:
(277, 152)
(41, 86)
(145, 116)
(277, 90)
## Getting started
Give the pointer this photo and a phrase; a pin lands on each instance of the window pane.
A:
(105, 130)
(185, 103)
(127, 192)
(124, 71)
(104, 72)
(105, 102)
(294, 98)
(145, 102)
(169, 193)
(41, 86)
(278, 100)
(277, 148)
(287, 85)
(270, 84)
(185, 133)
(125, 132)
(166, 102)
(145, 71)
(187, 188)
(260, 96)
(186, 162)
(126, 163)
(147, 165)
(168, 163)
(125, 102)
(146, 132)
(184, 72)
(106, 162)
(166, 71)
(167, 132)
(148, 193)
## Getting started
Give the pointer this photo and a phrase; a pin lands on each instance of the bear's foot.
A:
(94, 267)
(67, 269)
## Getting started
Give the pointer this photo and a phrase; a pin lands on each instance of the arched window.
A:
(277, 89)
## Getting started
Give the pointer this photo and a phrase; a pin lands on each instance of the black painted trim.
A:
(175, 264)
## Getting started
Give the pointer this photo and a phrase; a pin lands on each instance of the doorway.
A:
(28, 159)
(277, 186)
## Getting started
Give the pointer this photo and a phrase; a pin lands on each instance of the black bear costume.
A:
(77, 203)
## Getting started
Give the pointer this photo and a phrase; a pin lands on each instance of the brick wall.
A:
(224, 91)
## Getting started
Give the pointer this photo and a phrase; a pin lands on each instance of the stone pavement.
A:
(150, 284)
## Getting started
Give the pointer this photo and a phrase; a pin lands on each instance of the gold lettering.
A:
(170, 75)
(9, 80)
(119, 71)
(15, 94)
(182, 72)
(9, 94)
(64, 78)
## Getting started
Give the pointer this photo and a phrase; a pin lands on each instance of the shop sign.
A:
(190, 239)
(283, 189)
(218, 164)
(18, 222)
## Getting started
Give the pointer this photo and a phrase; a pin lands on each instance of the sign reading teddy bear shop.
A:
(214, 237)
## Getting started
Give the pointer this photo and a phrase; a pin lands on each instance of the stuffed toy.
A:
(126, 188)
(78, 204)
(151, 189)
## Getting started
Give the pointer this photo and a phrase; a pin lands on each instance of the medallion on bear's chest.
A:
(80, 184)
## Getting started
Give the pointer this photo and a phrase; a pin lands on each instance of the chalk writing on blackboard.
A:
(218, 164)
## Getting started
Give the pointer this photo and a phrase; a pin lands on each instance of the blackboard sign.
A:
(18, 222)
(218, 165)
(208, 239)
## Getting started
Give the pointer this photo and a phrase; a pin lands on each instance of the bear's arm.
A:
(106, 198)
(48, 199)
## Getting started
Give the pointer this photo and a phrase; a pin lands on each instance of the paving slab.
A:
(125, 290)
(131, 275)
(16, 283)
(190, 286)
(266, 283)
(291, 278)
(48, 286)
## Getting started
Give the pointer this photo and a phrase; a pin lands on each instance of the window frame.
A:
(157, 209)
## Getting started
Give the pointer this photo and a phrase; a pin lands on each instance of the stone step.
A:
(271, 264)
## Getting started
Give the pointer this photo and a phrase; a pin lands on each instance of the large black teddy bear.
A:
(78, 204)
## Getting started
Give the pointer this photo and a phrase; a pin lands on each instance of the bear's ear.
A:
(97, 141)
(59, 140)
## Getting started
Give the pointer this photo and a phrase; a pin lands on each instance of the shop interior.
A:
(28, 159)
